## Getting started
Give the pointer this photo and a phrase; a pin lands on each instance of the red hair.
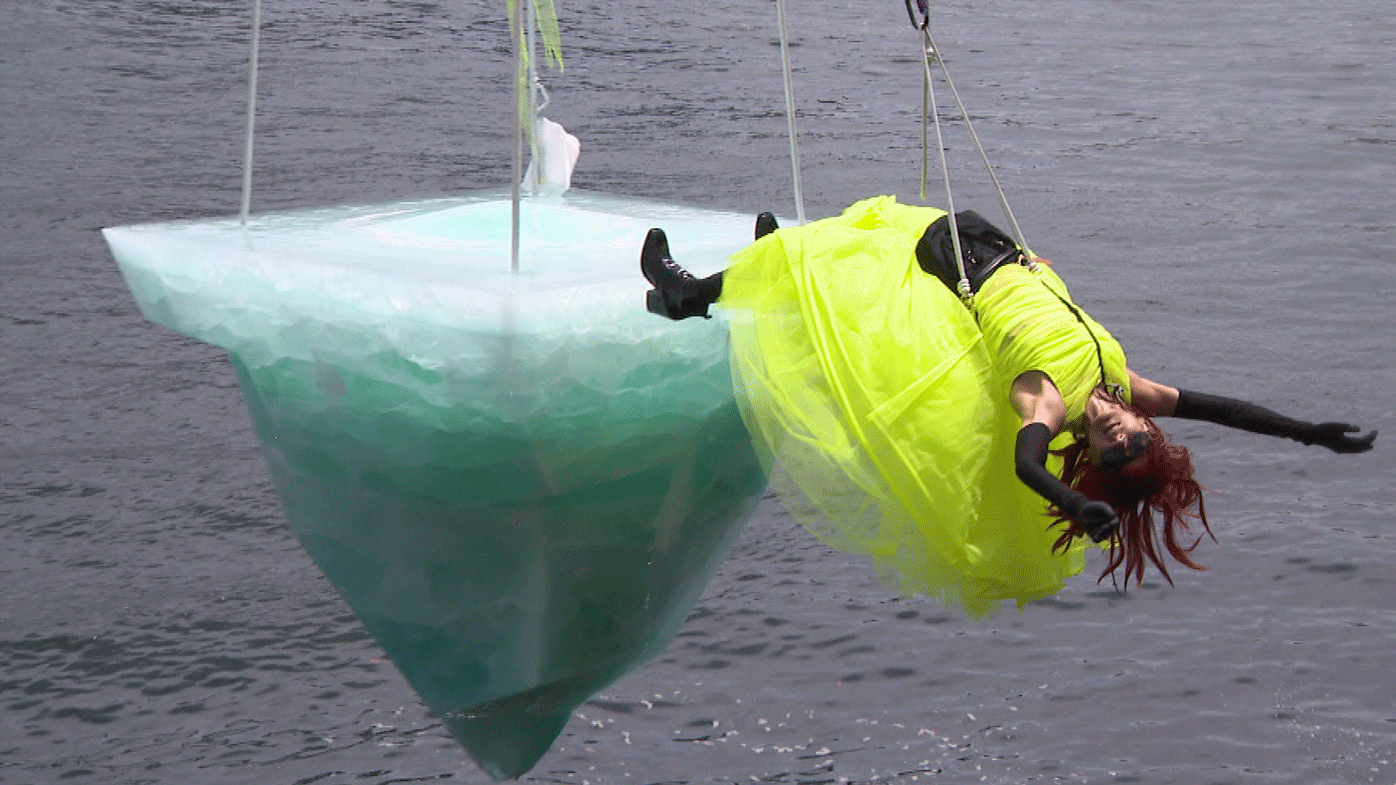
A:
(1158, 485)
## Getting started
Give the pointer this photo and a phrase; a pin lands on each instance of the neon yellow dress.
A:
(881, 406)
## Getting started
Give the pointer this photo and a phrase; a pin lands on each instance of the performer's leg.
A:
(677, 294)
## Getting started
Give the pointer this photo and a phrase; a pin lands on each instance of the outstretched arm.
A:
(1160, 400)
(1038, 402)
(1152, 398)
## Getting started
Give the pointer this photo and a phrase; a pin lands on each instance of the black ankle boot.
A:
(765, 224)
(676, 292)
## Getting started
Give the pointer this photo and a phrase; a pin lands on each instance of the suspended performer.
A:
(968, 447)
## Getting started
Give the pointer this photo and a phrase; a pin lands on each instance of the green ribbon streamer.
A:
(545, 15)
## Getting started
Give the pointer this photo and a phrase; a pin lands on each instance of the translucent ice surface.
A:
(520, 483)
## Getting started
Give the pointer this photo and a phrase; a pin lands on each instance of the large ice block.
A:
(520, 483)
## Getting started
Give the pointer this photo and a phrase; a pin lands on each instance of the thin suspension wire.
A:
(251, 112)
(530, 124)
(945, 71)
(537, 98)
(929, 95)
(925, 124)
(790, 114)
(516, 24)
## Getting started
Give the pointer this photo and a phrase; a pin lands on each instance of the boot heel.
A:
(675, 307)
(654, 303)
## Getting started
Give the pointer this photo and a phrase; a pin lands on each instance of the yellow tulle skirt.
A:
(867, 388)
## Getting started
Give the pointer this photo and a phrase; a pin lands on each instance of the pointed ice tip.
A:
(507, 736)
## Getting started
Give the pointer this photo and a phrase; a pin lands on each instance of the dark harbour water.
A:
(1215, 179)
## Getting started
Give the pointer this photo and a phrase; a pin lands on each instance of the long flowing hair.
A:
(1153, 498)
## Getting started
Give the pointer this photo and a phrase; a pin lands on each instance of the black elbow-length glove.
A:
(1030, 462)
(1336, 436)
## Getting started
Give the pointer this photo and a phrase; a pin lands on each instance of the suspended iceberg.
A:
(520, 483)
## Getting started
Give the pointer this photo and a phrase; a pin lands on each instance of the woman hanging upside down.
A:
(915, 428)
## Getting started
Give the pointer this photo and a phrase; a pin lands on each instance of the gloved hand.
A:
(1334, 436)
(1258, 419)
(1097, 518)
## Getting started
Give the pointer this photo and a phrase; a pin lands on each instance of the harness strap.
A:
(1114, 389)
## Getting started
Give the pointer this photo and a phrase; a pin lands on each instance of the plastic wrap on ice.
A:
(556, 151)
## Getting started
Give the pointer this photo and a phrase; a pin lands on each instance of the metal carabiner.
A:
(923, 6)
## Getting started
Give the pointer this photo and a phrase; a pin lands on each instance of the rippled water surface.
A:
(1214, 178)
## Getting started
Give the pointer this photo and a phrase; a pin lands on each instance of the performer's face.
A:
(1118, 438)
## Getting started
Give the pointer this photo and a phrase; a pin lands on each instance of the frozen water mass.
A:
(520, 483)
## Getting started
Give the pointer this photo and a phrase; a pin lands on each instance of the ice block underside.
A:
(519, 483)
